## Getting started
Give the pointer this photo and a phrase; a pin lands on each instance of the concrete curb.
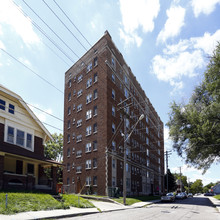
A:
(215, 202)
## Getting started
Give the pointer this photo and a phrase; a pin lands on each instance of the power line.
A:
(32, 70)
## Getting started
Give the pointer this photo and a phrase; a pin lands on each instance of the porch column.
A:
(1, 170)
(54, 177)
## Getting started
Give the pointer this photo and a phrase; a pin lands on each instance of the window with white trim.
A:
(95, 94)
(95, 110)
(68, 138)
(69, 110)
(113, 128)
(79, 123)
(113, 93)
(95, 164)
(69, 83)
(147, 141)
(88, 130)
(88, 147)
(78, 138)
(89, 82)
(79, 153)
(79, 107)
(10, 135)
(95, 128)
(95, 145)
(2, 104)
(79, 169)
(68, 124)
(11, 109)
(95, 61)
(68, 152)
(113, 145)
(113, 77)
(80, 78)
(89, 67)
(79, 93)
(68, 167)
(95, 77)
(88, 180)
(89, 114)
(69, 97)
(89, 98)
(88, 164)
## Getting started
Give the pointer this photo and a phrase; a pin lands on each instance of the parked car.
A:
(169, 197)
(190, 195)
(184, 195)
(180, 196)
(209, 194)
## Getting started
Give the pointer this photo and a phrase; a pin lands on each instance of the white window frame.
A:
(89, 114)
(88, 130)
(88, 147)
(88, 164)
(88, 98)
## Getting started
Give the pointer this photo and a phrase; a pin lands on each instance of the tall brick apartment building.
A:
(103, 103)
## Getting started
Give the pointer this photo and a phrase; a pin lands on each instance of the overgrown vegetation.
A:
(132, 200)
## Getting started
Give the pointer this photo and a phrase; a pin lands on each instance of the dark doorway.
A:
(19, 167)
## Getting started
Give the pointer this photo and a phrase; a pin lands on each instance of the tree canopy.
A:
(195, 127)
(53, 149)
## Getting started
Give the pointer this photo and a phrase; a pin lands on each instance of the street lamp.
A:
(125, 158)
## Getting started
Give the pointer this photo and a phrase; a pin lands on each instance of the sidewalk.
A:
(61, 213)
(215, 202)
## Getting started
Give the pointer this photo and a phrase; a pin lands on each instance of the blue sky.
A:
(166, 44)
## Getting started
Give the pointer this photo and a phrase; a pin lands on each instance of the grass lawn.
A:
(132, 200)
(74, 200)
(23, 202)
(217, 197)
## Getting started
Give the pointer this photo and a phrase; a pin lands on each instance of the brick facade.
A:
(113, 74)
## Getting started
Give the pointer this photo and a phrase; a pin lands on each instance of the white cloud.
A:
(183, 59)
(10, 16)
(174, 23)
(204, 6)
(2, 46)
(25, 61)
(137, 15)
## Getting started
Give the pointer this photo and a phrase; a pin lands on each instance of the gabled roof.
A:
(24, 104)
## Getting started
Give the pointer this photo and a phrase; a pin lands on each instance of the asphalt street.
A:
(196, 208)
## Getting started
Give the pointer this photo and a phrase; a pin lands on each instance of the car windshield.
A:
(169, 194)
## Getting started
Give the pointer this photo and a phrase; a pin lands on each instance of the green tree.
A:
(53, 149)
(195, 127)
(197, 187)
(171, 181)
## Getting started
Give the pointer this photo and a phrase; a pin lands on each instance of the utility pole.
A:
(167, 153)
(125, 161)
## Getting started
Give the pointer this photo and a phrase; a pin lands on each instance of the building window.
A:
(78, 138)
(30, 168)
(95, 110)
(68, 124)
(158, 151)
(95, 128)
(69, 110)
(2, 104)
(148, 162)
(95, 145)
(74, 92)
(113, 163)
(88, 147)
(89, 83)
(11, 109)
(79, 93)
(159, 160)
(73, 180)
(20, 138)
(79, 169)
(74, 120)
(147, 141)
(89, 114)
(80, 78)
(68, 152)
(113, 78)
(147, 130)
(88, 130)
(113, 128)
(113, 93)
(95, 77)
(68, 167)
(95, 96)
(69, 83)
(95, 61)
(29, 141)
(69, 97)
(79, 123)
(113, 181)
(79, 107)
(68, 181)
(95, 163)
(113, 145)
(73, 150)
(95, 181)
(10, 137)
(147, 152)
(113, 62)
(88, 164)
(89, 98)
(89, 67)
(126, 93)
(88, 180)
(79, 153)
(68, 138)
(74, 106)
(113, 111)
